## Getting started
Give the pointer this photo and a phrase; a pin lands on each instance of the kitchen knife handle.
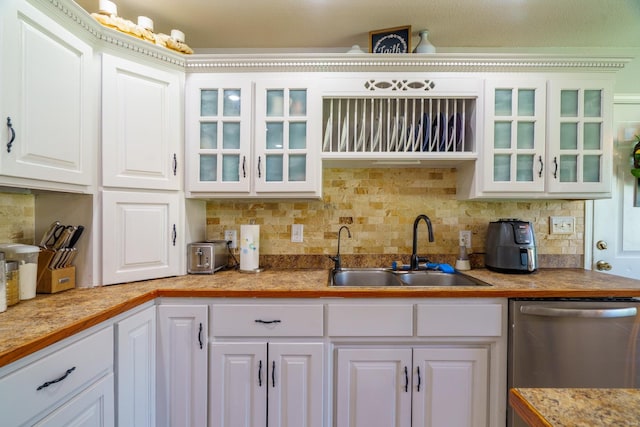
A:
(175, 164)
(13, 134)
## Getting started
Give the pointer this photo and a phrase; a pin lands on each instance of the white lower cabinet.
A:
(258, 384)
(182, 365)
(267, 365)
(136, 369)
(68, 385)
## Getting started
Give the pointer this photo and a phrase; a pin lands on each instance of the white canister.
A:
(27, 258)
(107, 7)
(145, 22)
(177, 35)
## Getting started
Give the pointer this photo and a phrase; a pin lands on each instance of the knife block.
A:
(57, 280)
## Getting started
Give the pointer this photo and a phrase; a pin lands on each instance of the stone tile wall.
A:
(17, 218)
(380, 205)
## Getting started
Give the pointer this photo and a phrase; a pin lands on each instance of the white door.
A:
(450, 387)
(141, 132)
(182, 366)
(238, 384)
(141, 236)
(616, 241)
(48, 95)
(373, 388)
(136, 369)
(295, 384)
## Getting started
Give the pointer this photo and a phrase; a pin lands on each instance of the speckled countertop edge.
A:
(34, 324)
(577, 407)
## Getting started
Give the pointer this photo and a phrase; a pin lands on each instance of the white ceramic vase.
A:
(424, 45)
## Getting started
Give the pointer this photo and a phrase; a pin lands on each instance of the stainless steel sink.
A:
(363, 277)
(375, 277)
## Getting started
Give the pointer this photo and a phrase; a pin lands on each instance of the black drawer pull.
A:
(273, 374)
(267, 322)
(48, 383)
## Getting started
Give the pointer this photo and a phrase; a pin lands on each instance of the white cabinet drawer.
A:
(34, 388)
(454, 320)
(265, 320)
(370, 320)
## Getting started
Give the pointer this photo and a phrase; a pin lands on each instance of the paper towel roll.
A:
(249, 247)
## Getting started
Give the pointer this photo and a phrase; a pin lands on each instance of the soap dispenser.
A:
(462, 263)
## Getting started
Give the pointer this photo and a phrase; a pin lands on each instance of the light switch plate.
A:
(562, 224)
(296, 233)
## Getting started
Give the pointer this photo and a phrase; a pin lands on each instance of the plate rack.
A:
(397, 125)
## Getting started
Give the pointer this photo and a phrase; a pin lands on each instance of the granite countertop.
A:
(577, 407)
(34, 324)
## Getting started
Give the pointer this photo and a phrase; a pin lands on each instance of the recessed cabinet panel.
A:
(141, 239)
(141, 135)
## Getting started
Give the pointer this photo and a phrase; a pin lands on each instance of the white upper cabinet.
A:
(141, 125)
(256, 136)
(545, 137)
(514, 136)
(48, 102)
(580, 141)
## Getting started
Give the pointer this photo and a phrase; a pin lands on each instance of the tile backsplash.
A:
(17, 218)
(379, 205)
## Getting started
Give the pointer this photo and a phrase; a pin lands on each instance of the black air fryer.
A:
(511, 247)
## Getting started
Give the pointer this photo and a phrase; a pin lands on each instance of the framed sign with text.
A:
(390, 40)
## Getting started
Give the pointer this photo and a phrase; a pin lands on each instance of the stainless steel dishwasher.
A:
(573, 343)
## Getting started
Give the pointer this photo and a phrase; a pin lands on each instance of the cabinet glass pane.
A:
(275, 136)
(569, 103)
(502, 135)
(298, 102)
(274, 168)
(568, 136)
(208, 102)
(502, 167)
(275, 103)
(297, 135)
(592, 136)
(231, 104)
(208, 136)
(525, 138)
(298, 167)
(526, 102)
(231, 135)
(208, 167)
(592, 103)
(568, 168)
(591, 168)
(503, 102)
(231, 167)
(524, 168)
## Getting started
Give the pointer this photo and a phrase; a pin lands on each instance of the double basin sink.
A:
(383, 277)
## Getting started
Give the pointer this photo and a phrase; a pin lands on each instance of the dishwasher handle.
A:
(539, 310)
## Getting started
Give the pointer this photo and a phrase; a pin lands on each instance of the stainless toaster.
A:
(207, 257)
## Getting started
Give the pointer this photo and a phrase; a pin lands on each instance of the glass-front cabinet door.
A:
(580, 139)
(515, 135)
(219, 135)
(287, 137)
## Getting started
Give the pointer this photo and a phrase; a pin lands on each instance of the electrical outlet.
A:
(562, 225)
(464, 238)
(232, 236)
(296, 233)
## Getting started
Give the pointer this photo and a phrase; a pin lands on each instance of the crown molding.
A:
(402, 62)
